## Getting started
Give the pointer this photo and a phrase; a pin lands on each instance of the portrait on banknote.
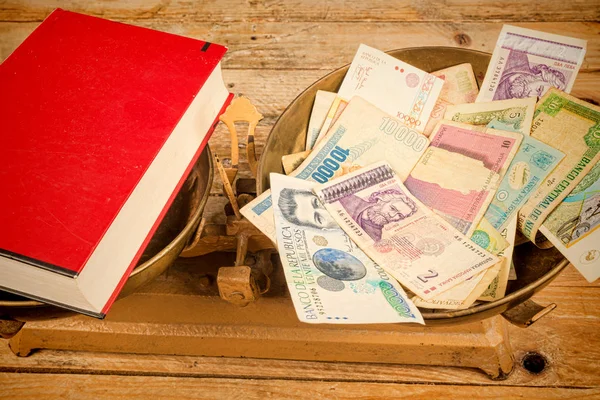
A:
(330, 279)
(301, 207)
(410, 237)
(380, 209)
(527, 63)
(522, 78)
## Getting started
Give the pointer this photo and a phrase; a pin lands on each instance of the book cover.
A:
(87, 105)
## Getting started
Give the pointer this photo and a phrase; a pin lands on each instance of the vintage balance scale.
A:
(226, 295)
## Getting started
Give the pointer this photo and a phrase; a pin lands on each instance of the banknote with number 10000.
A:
(362, 135)
(403, 91)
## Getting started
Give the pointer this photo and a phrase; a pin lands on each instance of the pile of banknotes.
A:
(414, 187)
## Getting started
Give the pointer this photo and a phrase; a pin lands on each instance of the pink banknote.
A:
(459, 173)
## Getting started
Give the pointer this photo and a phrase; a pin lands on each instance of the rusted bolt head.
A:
(237, 296)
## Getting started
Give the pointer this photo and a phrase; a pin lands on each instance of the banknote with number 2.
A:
(362, 135)
(401, 234)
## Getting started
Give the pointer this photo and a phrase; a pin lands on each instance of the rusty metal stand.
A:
(241, 283)
(180, 314)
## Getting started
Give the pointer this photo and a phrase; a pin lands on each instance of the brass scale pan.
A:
(535, 268)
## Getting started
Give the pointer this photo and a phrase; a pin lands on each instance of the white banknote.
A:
(526, 63)
(398, 88)
(362, 135)
(329, 278)
(420, 249)
(464, 294)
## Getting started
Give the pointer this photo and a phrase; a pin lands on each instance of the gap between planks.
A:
(310, 11)
(134, 387)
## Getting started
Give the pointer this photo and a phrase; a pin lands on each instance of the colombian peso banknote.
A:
(362, 135)
(459, 173)
(401, 234)
(514, 115)
(573, 227)
(329, 278)
(526, 63)
(571, 126)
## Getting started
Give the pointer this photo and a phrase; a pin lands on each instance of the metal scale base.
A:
(181, 313)
(184, 312)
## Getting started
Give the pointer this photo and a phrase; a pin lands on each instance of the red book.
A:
(100, 124)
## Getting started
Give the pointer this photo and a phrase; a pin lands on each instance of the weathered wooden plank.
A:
(570, 277)
(567, 338)
(325, 45)
(30, 386)
(299, 11)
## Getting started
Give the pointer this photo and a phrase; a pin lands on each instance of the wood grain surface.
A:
(308, 11)
(276, 50)
(567, 339)
(329, 45)
(30, 386)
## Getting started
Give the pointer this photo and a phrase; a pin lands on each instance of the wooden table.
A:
(276, 49)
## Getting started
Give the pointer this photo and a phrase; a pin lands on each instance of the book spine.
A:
(123, 280)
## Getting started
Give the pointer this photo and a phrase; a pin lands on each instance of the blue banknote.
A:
(532, 164)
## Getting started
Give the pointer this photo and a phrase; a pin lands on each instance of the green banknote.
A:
(571, 126)
(573, 226)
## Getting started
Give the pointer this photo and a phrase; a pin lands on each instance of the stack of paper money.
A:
(413, 185)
